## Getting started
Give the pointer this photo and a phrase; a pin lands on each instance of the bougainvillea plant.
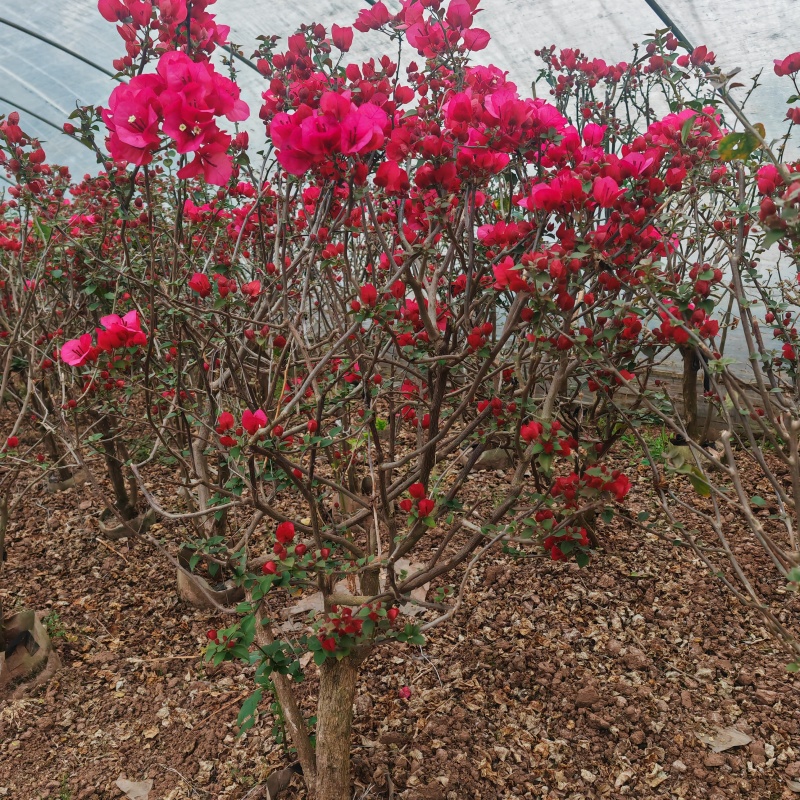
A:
(297, 366)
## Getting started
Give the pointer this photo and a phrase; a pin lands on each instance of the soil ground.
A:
(552, 682)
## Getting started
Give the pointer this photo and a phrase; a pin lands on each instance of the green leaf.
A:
(793, 667)
(739, 145)
(319, 657)
(773, 236)
(687, 126)
(758, 501)
(582, 558)
(700, 484)
(794, 575)
(247, 713)
(45, 231)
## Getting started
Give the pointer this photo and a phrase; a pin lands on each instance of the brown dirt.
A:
(553, 682)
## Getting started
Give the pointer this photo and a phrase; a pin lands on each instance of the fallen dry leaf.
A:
(724, 739)
(135, 790)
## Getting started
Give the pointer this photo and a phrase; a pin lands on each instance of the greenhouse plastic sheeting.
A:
(50, 83)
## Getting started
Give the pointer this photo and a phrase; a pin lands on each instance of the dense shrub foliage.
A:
(293, 353)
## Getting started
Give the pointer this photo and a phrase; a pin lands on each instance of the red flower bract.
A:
(425, 506)
(416, 490)
(787, 65)
(284, 533)
(201, 284)
(368, 294)
(254, 421)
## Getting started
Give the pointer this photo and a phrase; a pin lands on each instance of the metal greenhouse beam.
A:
(67, 50)
(668, 21)
(241, 58)
(30, 113)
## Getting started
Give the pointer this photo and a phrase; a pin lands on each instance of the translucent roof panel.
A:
(49, 83)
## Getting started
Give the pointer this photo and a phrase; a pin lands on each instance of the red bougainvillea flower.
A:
(252, 289)
(253, 421)
(368, 294)
(392, 177)
(531, 431)
(787, 65)
(507, 276)
(284, 533)
(417, 491)
(225, 422)
(201, 284)
(12, 442)
(77, 352)
(425, 506)
(768, 179)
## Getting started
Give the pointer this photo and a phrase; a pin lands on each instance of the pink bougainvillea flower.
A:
(476, 39)
(212, 160)
(459, 15)
(370, 19)
(253, 421)
(788, 65)
(593, 134)
(606, 191)
(320, 135)
(120, 331)
(172, 11)
(342, 37)
(77, 352)
(132, 118)
(544, 198)
(139, 11)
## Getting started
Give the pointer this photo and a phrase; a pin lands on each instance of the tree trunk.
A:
(337, 689)
(691, 366)
(115, 471)
(293, 716)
